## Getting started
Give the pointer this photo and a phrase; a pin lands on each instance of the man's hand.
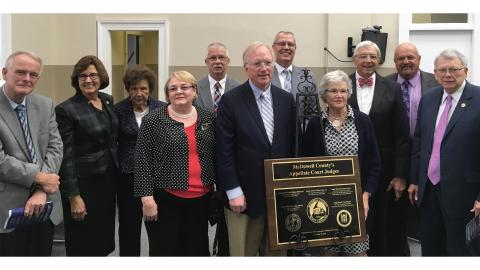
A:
(35, 203)
(476, 208)
(413, 193)
(77, 208)
(48, 181)
(238, 204)
(149, 209)
(366, 207)
(398, 185)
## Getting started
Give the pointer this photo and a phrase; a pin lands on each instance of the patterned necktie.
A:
(267, 115)
(216, 96)
(362, 82)
(434, 164)
(406, 95)
(20, 110)
(287, 85)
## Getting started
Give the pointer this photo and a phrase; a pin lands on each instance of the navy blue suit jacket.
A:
(368, 155)
(459, 152)
(242, 143)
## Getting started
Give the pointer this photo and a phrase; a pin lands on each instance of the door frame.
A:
(104, 45)
(405, 27)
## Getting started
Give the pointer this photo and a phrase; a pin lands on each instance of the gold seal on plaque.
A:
(344, 218)
(293, 222)
(317, 210)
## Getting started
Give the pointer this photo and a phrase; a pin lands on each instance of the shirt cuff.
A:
(234, 193)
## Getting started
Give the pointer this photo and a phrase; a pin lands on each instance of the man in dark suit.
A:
(31, 152)
(210, 91)
(255, 122)
(445, 173)
(381, 99)
(216, 83)
(414, 83)
(286, 75)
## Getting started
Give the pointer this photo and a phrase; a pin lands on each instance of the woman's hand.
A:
(77, 208)
(366, 197)
(149, 208)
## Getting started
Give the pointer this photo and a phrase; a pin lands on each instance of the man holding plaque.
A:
(255, 121)
(381, 100)
(446, 157)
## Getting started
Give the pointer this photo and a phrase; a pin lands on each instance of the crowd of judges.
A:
(415, 135)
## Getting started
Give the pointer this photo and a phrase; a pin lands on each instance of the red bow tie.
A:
(362, 82)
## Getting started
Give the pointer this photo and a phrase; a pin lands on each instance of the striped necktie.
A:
(287, 85)
(216, 96)
(20, 110)
(406, 95)
(267, 115)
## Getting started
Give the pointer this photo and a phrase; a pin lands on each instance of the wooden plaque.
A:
(314, 202)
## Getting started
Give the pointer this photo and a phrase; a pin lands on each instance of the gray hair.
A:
(218, 45)
(284, 33)
(451, 54)
(333, 77)
(252, 47)
(366, 44)
(11, 57)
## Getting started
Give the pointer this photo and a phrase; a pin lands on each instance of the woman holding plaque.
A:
(342, 130)
(174, 171)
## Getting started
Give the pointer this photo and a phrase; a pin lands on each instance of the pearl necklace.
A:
(181, 115)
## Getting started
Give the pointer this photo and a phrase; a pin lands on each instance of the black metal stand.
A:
(308, 107)
(298, 246)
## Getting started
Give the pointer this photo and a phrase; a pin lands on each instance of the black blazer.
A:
(390, 123)
(368, 157)
(88, 147)
(242, 143)
(459, 154)
(128, 131)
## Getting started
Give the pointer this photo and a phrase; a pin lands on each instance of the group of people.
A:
(414, 134)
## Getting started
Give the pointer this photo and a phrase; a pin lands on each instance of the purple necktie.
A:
(406, 95)
(216, 96)
(434, 164)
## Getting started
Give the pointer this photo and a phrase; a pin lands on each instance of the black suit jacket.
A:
(242, 143)
(391, 127)
(128, 131)
(368, 157)
(459, 153)
(86, 145)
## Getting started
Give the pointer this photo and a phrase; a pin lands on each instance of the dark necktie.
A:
(434, 163)
(406, 95)
(362, 82)
(20, 110)
(216, 96)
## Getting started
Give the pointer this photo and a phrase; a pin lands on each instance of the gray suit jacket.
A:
(297, 72)
(427, 79)
(16, 172)
(205, 98)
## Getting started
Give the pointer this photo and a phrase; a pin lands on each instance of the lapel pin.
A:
(108, 102)
(463, 105)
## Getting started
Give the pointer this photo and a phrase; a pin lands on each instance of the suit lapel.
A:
(431, 115)
(378, 93)
(33, 114)
(462, 105)
(252, 108)
(205, 94)
(12, 122)
(276, 79)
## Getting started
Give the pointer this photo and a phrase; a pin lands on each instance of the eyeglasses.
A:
(217, 58)
(285, 44)
(183, 88)
(452, 71)
(366, 56)
(337, 91)
(92, 76)
(259, 64)
(24, 73)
